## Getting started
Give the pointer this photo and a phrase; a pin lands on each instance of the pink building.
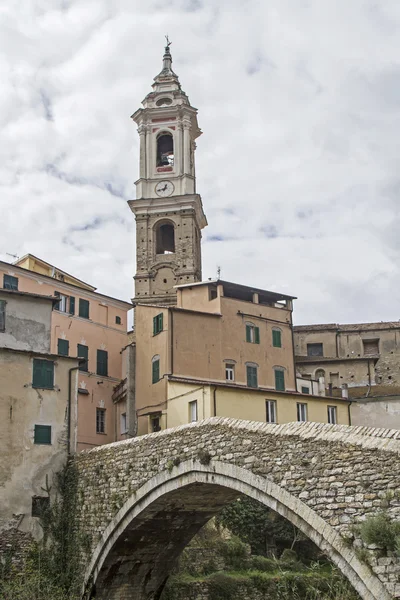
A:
(85, 324)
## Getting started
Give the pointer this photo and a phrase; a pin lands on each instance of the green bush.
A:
(265, 565)
(381, 531)
(222, 587)
(235, 553)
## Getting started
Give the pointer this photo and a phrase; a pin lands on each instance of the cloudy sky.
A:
(298, 165)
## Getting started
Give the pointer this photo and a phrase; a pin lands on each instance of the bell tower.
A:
(169, 213)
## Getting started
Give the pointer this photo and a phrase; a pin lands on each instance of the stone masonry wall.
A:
(342, 473)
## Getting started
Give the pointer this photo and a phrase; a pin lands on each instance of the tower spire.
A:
(166, 75)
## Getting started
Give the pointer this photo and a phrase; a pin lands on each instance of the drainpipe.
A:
(369, 379)
(337, 343)
(69, 405)
(215, 400)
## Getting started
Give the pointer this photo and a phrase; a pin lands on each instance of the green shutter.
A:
(276, 339)
(160, 322)
(156, 371)
(248, 333)
(102, 362)
(63, 347)
(252, 376)
(10, 282)
(42, 434)
(2, 315)
(71, 305)
(157, 324)
(280, 381)
(43, 374)
(256, 335)
(83, 352)
(83, 308)
(305, 390)
(154, 325)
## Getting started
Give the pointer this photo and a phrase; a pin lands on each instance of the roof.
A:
(179, 309)
(20, 260)
(375, 392)
(39, 354)
(60, 284)
(330, 359)
(276, 296)
(29, 295)
(349, 326)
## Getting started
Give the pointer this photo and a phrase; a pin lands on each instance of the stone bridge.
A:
(143, 499)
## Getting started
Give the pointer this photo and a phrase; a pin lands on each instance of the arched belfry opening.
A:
(165, 150)
(165, 238)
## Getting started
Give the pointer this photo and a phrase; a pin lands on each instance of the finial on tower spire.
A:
(168, 42)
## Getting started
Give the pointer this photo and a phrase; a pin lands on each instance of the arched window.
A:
(165, 150)
(165, 238)
(252, 374)
(319, 373)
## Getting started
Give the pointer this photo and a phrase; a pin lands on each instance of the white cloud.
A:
(297, 167)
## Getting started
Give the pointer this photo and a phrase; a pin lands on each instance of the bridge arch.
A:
(187, 497)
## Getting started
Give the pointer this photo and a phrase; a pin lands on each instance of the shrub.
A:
(222, 587)
(381, 531)
(260, 563)
(235, 553)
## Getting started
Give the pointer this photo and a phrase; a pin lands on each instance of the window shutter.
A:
(248, 333)
(160, 322)
(37, 380)
(252, 376)
(276, 339)
(83, 308)
(156, 371)
(102, 362)
(83, 352)
(63, 347)
(71, 305)
(42, 434)
(154, 325)
(48, 374)
(2, 315)
(256, 335)
(280, 381)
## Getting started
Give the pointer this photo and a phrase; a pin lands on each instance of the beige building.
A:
(84, 323)
(38, 411)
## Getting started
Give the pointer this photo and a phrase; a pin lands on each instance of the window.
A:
(319, 373)
(43, 374)
(155, 422)
(271, 411)
(165, 150)
(63, 347)
(83, 352)
(251, 372)
(315, 349)
(118, 320)
(157, 324)
(83, 308)
(165, 238)
(155, 374)
(279, 380)
(42, 434)
(124, 426)
(212, 293)
(277, 338)
(332, 415)
(66, 304)
(40, 504)
(252, 334)
(2, 315)
(305, 390)
(230, 372)
(102, 362)
(334, 377)
(100, 420)
(193, 411)
(301, 412)
(371, 347)
(10, 282)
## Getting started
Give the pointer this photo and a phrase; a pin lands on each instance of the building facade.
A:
(38, 413)
(84, 324)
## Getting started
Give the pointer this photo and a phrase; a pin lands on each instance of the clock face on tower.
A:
(164, 188)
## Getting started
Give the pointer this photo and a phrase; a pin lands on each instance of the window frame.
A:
(42, 364)
(86, 364)
(100, 420)
(66, 304)
(123, 421)
(193, 405)
(332, 409)
(10, 282)
(252, 376)
(158, 324)
(302, 407)
(252, 333)
(276, 337)
(271, 404)
(314, 345)
(305, 389)
(118, 320)
(229, 367)
(62, 341)
(84, 308)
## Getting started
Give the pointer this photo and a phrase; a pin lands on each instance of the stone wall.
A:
(323, 478)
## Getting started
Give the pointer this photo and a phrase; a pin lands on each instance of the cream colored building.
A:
(38, 411)
(84, 323)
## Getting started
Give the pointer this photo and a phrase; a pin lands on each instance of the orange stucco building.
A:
(84, 323)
